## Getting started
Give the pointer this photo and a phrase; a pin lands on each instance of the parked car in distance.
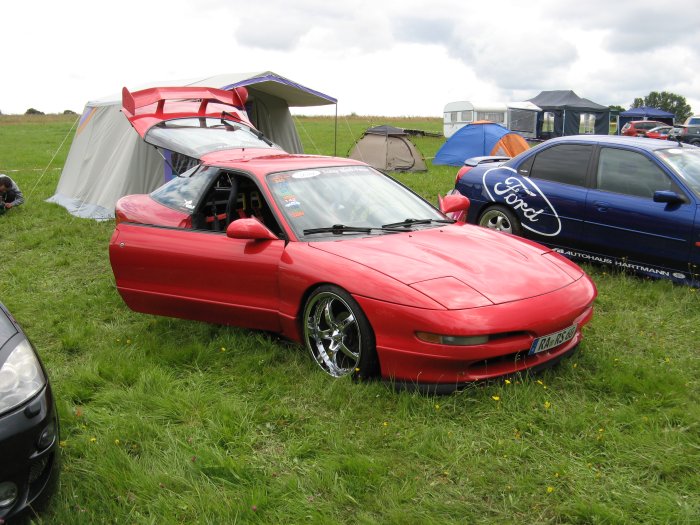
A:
(637, 128)
(659, 132)
(686, 133)
(28, 424)
(333, 254)
(633, 203)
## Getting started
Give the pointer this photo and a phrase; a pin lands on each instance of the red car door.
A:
(198, 275)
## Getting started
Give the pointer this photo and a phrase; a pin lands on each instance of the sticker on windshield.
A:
(525, 197)
(305, 174)
(293, 205)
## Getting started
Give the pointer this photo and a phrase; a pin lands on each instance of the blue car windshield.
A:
(357, 197)
(685, 163)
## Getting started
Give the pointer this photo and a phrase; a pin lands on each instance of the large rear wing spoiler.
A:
(131, 102)
(148, 107)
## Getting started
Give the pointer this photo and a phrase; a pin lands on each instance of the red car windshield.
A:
(352, 196)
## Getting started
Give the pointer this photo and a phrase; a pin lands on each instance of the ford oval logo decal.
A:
(523, 196)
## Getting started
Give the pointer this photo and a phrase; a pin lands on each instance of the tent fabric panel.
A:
(402, 155)
(273, 84)
(386, 130)
(602, 123)
(567, 99)
(398, 155)
(109, 145)
(510, 145)
(647, 113)
(271, 115)
(571, 122)
(473, 140)
(82, 209)
(372, 150)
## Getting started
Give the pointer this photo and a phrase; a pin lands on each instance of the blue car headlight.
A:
(21, 377)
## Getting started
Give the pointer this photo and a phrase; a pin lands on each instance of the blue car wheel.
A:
(500, 218)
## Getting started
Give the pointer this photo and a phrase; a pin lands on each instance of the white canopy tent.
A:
(108, 159)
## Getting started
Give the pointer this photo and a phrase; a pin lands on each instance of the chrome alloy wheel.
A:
(332, 333)
(496, 220)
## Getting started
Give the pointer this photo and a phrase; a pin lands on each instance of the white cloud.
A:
(385, 57)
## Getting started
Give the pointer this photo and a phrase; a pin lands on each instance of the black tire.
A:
(500, 218)
(338, 334)
(694, 142)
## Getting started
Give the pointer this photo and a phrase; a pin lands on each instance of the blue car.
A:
(633, 203)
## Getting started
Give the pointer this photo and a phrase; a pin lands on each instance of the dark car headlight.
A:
(21, 377)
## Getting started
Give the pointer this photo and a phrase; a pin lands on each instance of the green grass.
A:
(172, 421)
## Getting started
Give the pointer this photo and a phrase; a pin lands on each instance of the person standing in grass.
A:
(10, 194)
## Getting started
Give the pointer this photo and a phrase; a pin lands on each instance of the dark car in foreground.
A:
(633, 203)
(28, 424)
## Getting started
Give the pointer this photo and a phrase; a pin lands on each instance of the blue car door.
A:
(623, 220)
(558, 179)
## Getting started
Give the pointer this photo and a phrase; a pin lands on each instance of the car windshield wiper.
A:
(412, 222)
(227, 117)
(339, 229)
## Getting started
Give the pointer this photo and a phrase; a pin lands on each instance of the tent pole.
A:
(563, 125)
(335, 132)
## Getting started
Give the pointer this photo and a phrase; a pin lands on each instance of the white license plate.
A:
(550, 341)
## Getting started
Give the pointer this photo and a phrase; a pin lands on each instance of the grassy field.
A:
(171, 421)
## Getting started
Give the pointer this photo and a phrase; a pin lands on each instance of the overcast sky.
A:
(377, 57)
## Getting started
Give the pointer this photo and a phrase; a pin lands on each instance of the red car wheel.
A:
(338, 334)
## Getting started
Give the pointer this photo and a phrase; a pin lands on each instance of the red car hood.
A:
(461, 266)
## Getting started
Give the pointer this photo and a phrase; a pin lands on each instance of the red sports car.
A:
(333, 254)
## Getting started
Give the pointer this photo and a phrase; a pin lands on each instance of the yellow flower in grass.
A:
(547, 404)
(550, 490)
(507, 381)
(93, 440)
(496, 398)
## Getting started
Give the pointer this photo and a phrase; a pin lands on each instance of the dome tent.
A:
(388, 148)
(478, 139)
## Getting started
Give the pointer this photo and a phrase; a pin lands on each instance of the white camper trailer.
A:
(516, 116)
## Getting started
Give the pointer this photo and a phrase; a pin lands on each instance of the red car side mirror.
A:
(249, 229)
(455, 206)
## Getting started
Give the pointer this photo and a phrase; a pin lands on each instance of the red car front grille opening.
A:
(511, 363)
(515, 359)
